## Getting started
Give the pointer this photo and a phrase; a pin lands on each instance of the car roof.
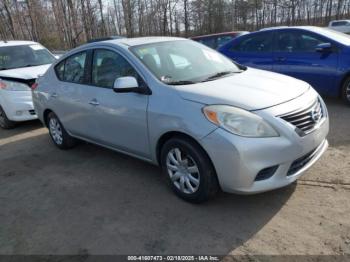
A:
(341, 38)
(311, 28)
(142, 40)
(220, 34)
(15, 43)
(343, 20)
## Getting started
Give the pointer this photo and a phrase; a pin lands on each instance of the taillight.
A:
(2, 85)
(34, 86)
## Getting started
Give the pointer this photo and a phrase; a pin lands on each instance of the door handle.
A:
(280, 59)
(54, 95)
(94, 102)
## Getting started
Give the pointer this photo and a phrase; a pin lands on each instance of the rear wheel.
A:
(5, 123)
(346, 91)
(188, 170)
(58, 134)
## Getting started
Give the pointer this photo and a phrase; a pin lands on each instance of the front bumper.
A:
(238, 160)
(18, 105)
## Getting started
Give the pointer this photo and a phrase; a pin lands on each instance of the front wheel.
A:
(58, 134)
(188, 170)
(5, 123)
(346, 91)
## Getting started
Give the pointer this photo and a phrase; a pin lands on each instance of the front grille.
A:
(301, 162)
(32, 112)
(307, 119)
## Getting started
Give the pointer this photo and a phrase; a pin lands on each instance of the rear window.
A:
(12, 57)
(340, 23)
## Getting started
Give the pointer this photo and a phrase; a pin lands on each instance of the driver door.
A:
(121, 117)
(296, 56)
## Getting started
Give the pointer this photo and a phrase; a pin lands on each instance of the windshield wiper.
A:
(218, 75)
(29, 65)
(182, 82)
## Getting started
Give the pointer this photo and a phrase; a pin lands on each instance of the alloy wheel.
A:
(183, 171)
(56, 131)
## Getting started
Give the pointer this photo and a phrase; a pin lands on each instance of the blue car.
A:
(316, 55)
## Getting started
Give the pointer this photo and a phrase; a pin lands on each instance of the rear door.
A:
(295, 55)
(73, 97)
(254, 50)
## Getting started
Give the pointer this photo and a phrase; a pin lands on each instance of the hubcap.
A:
(56, 131)
(183, 171)
(347, 92)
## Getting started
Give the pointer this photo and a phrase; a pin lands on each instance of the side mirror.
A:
(325, 47)
(129, 84)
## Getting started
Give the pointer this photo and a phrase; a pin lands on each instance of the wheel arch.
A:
(342, 82)
(169, 135)
(45, 115)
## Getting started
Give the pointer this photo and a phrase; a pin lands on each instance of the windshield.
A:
(183, 62)
(335, 35)
(24, 56)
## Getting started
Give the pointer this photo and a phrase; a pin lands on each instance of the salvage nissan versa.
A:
(208, 122)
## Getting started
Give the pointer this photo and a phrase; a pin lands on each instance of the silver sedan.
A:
(207, 121)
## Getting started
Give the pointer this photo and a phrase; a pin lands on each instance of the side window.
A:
(107, 66)
(256, 43)
(72, 69)
(60, 70)
(210, 41)
(309, 42)
(286, 42)
(298, 42)
(221, 40)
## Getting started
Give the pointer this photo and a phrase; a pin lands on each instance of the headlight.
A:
(13, 86)
(238, 121)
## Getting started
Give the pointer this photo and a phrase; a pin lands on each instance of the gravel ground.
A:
(91, 200)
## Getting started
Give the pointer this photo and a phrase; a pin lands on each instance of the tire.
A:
(346, 91)
(180, 160)
(5, 123)
(58, 134)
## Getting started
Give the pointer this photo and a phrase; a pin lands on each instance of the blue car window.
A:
(298, 42)
(221, 40)
(209, 42)
(255, 43)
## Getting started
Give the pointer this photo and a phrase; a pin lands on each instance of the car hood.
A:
(252, 89)
(24, 73)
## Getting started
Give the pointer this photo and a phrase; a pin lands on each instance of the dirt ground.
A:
(91, 200)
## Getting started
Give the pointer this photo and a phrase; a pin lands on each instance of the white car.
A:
(340, 26)
(21, 62)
